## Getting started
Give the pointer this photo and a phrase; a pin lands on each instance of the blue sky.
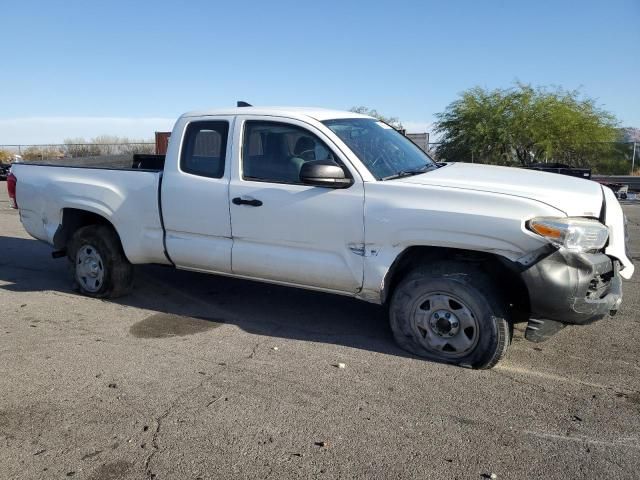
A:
(85, 68)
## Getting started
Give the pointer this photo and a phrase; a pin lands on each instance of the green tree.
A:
(393, 121)
(525, 124)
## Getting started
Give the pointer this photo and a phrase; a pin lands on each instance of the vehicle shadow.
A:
(257, 308)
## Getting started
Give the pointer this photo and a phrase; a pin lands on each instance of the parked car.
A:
(623, 192)
(620, 190)
(342, 203)
(4, 170)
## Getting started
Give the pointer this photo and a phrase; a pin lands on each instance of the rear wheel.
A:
(450, 312)
(99, 265)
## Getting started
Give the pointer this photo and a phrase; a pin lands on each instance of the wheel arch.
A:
(501, 270)
(73, 219)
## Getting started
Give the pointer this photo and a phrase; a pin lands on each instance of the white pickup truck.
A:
(340, 202)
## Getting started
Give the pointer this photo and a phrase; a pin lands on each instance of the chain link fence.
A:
(77, 154)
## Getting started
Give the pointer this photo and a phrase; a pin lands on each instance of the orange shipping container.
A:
(162, 142)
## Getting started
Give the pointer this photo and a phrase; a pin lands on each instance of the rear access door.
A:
(195, 194)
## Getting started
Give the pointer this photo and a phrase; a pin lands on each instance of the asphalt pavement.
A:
(196, 376)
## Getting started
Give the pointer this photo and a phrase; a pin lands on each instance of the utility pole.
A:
(633, 158)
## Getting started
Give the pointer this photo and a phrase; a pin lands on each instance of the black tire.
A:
(462, 286)
(117, 272)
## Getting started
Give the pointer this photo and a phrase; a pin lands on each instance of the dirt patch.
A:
(111, 471)
(164, 325)
(91, 455)
(23, 422)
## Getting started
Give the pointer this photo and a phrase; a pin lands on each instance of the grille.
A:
(599, 286)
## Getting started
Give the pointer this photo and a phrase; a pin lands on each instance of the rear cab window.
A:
(204, 148)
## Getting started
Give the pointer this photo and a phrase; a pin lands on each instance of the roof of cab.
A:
(319, 114)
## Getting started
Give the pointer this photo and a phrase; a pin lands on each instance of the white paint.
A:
(196, 212)
(573, 196)
(615, 222)
(342, 241)
(301, 234)
(128, 199)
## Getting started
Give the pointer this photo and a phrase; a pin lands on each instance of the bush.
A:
(5, 156)
(106, 145)
(35, 153)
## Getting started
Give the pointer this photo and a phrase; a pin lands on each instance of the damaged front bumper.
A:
(570, 288)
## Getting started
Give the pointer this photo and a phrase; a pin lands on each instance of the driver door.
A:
(283, 230)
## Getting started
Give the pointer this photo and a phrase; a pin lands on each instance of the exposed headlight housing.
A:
(572, 233)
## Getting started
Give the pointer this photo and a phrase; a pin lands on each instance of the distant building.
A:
(420, 139)
(162, 142)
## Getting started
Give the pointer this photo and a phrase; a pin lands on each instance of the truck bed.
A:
(127, 198)
(136, 161)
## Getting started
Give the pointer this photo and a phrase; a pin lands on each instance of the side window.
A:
(204, 148)
(275, 152)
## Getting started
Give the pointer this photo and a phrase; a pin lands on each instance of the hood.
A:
(573, 196)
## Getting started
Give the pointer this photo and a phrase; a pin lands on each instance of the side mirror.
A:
(322, 173)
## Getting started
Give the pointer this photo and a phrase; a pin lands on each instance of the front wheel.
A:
(450, 312)
(99, 265)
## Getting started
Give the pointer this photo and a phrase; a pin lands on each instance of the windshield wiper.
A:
(409, 172)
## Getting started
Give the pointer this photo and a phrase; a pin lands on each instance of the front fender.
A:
(403, 215)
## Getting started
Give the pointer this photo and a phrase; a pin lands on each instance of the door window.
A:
(204, 149)
(275, 152)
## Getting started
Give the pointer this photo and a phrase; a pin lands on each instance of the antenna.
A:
(243, 104)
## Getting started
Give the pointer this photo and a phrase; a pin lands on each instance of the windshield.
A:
(385, 152)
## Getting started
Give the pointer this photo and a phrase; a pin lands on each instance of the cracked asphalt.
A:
(196, 376)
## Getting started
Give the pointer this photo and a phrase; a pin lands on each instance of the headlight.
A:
(578, 234)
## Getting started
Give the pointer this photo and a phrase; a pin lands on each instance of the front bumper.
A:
(571, 288)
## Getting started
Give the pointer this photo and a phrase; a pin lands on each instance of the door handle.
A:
(252, 203)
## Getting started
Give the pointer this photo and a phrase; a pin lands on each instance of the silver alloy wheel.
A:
(89, 268)
(445, 325)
